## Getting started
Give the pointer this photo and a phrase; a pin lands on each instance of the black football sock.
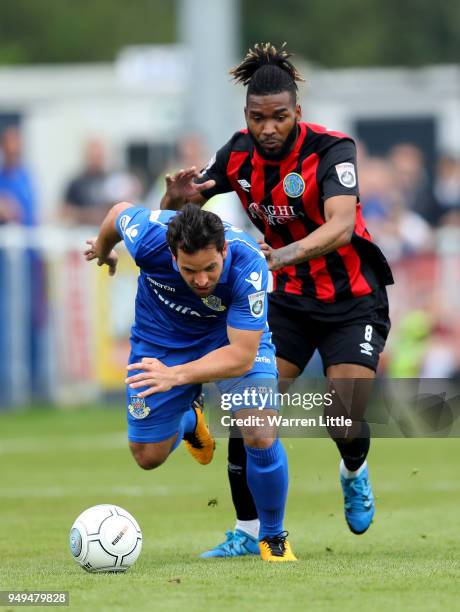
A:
(354, 453)
(241, 495)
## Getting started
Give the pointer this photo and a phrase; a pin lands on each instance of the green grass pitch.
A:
(54, 464)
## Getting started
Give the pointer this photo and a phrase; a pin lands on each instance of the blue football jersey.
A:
(168, 312)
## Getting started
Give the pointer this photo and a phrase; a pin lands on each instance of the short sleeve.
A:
(141, 229)
(248, 309)
(216, 170)
(337, 173)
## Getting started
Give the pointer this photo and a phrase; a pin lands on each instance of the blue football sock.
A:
(187, 425)
(189, 421)
(267, 474)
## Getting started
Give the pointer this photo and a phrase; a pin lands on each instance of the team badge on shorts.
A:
(293, 185)
(137, 408)
(214, 303)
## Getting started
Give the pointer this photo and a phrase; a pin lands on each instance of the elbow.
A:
(241, 369)
(119, 208)
(247, 365)
(243, 366)
(345, 236)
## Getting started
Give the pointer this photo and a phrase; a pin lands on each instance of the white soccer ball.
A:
(105, 538)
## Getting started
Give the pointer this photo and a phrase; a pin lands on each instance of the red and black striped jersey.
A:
(285, 200)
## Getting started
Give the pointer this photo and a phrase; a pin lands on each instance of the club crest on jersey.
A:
(346, 174)
(293, 185)
(213, 302)
(256, 303)
(137, 407)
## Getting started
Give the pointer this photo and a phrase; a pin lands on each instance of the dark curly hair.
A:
(193, 229)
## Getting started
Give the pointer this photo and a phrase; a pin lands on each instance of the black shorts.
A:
(297, 333)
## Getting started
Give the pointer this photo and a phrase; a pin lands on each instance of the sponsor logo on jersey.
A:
(179, 307)
(262, 359)
(132, 232)
(293, 185)
(213, 302)
(245, 186)
(256, 303)
(137, 407)
(160, 285)
(346, 173)
(273, 214)
(255, 278)
(366, 348)
(124, 220)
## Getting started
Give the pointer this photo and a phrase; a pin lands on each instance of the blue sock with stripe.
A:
(267, 474)
(186, 426)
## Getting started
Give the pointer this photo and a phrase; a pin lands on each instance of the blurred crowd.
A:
(411, 210)
(402, 204)
(403, 200)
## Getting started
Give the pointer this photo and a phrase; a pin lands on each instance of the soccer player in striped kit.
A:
(298, 184)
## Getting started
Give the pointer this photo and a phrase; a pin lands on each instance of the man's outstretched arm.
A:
(337, 231)
(101, 247)
(182, 188)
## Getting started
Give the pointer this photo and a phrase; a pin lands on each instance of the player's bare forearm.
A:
(168, 203)
(108, 235)
(226, 362)
(101, 247)
(322, 241)
(230, 361)
(333, 234)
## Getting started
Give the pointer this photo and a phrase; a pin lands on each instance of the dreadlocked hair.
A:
(267, 70)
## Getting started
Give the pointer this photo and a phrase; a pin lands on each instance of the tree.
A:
(60, 31)
(338, 33)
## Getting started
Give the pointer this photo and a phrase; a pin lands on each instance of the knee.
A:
(347, 435)
(148, 459)
(258, 439)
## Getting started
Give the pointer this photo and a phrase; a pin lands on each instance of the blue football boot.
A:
(237, 544)
(359, 501)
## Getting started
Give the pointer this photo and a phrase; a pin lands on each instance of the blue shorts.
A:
(157, 417)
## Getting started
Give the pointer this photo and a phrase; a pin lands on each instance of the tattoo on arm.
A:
(296, 253)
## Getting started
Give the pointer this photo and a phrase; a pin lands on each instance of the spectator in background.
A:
(90, 195)
(190, 151)
(18, 205)
(447, 190)
(17, 197)
(411, 179)
(397, 229)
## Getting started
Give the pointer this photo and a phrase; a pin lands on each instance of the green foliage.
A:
(61, 31)
(340, 33)
(326, 32)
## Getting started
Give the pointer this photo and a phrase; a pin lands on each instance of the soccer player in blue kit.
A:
(201, 316)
